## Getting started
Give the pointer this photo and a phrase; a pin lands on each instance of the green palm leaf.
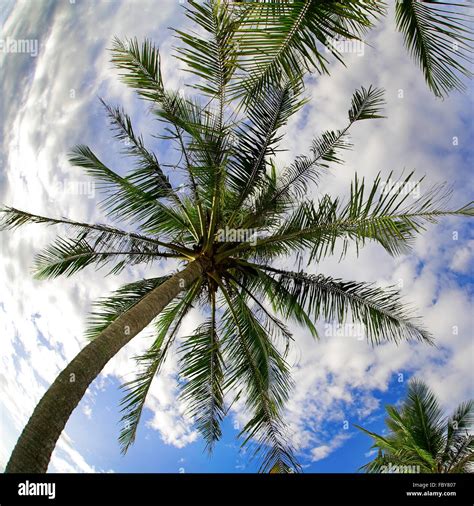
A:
(259, 136)
(140, 67)
(214, 58)
(68, 256)
(107, 309)
(202, 367)
(101, 235)
(260, 284)
(437, 34)
(125, 200)
(257, 364)
(280, 38)
(421, 439)
(383, 214)
(366, 104)
(150, 363)
(460, 422)
(380, 310)
(149, 176)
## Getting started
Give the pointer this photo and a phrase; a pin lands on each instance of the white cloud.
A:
(87, 410)
(321, 452)
(370, 453)
(462, 259)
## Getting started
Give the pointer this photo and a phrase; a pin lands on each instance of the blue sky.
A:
(49, 104)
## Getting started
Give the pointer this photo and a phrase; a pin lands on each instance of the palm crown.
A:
(235, 215)
(419, 435)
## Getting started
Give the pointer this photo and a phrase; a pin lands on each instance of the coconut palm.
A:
(228, 217)
(421, 439)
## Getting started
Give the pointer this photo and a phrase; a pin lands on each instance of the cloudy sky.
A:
(49, 103)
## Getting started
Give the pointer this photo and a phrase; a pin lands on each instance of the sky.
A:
(49, 103)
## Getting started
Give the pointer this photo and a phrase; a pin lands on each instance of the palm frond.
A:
(126, 201)
(460, 422)
(259, 136)
(133, 402)
(366, 104)
(260, 284)
(64, 256)
(419, 437)
(98, 234)
(275, 328)
(140, 66)
(438, 35)
(422, 413)
(212, 58)
(461, 455)
(281, 38)
(267, 206)
(149, 175)
(204, 142)
(383, 214)
(257, 365)
(141, 70)
(107, 309)
(381, 311)
(68, 256)
(202, 367)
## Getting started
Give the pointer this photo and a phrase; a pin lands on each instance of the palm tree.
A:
(420, 439)
(234, 216)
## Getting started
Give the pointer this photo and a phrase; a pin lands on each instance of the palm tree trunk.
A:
(36, 443)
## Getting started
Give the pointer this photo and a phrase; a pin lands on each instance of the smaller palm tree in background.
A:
(422, 439)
